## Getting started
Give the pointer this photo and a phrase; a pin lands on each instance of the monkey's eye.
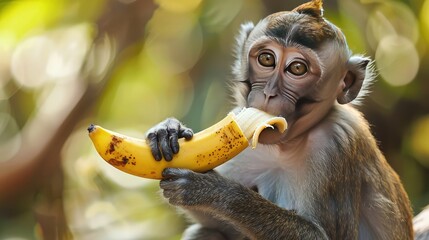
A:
(266, 59)
(297, 68)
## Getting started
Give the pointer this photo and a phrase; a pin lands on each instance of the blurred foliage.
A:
(53, 53)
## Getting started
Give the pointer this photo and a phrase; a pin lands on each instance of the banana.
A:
(206, 150)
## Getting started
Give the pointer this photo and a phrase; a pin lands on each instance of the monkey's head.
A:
(296, 64)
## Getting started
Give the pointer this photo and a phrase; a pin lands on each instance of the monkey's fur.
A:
(325, 178)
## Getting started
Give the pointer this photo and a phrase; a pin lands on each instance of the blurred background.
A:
(128, 64)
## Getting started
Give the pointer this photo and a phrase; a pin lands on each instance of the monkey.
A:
(325, 177)
(421, 225)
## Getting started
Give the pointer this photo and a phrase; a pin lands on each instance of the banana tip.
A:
(91, 128)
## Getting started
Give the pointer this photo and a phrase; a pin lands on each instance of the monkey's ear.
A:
(239, 70)
(357, 73)
(313, 8)
(245, 30)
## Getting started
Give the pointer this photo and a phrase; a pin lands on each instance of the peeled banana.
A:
(205, 151)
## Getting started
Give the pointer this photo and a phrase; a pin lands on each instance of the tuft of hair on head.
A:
(313, 8)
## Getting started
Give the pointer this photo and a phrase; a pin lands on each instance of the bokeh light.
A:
(397, 60)
(392, 18)
(29, 61)
(393, 31)
(54, 56)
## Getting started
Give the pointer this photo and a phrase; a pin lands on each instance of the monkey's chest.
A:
(277, 191)
(266, 170)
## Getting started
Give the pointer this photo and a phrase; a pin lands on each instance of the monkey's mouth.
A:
(271, 136)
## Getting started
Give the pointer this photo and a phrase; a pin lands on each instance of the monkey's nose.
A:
(269, 93)
(268, 97)
(270, 89)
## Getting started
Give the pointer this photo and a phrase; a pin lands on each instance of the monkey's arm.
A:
(241, 207)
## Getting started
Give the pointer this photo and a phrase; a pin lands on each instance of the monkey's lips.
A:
(271, 136)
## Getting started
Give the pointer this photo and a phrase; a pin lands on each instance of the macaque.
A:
(325, 177)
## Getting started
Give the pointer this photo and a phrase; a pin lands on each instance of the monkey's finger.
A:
(174, 143)
(169, 174)
(185, 132)
(175, 173)
(170, 186)
(166, 184)
(154, 147)
(173, 126)
(164, 143)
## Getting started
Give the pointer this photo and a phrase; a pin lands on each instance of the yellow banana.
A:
(206, 150)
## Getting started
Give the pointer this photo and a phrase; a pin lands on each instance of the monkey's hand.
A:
(223, 198)
(163, 138)
(188, 189)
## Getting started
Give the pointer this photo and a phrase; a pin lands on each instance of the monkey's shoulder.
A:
(344, 125)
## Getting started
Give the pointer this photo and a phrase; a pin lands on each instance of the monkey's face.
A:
(293, 65)
(287, 81)
(296, 65)
(281, 78)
